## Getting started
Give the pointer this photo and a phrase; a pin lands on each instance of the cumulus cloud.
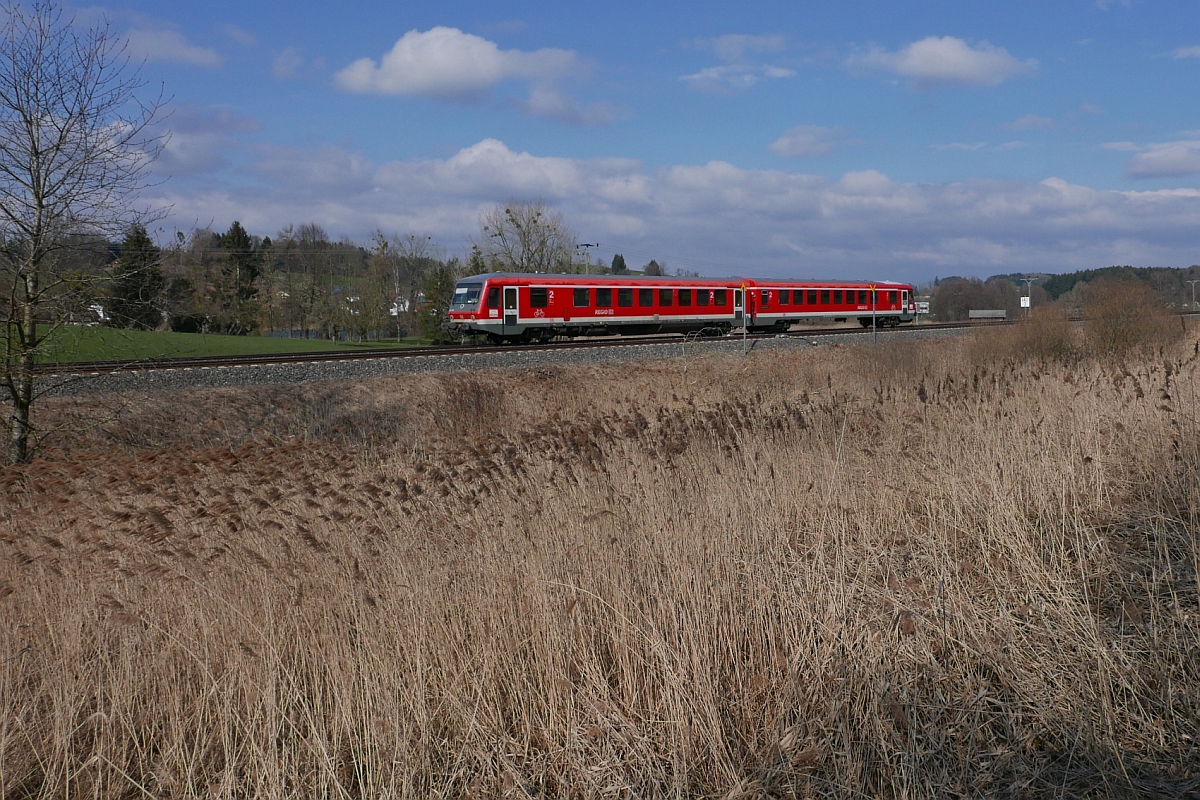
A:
(805, 141)
(1030, 122)
(452, 66)
(739, 72)
(448, 64)
(1187, 52)
(935, 61)
(760, 222)
(171, 47)
(1164, 160)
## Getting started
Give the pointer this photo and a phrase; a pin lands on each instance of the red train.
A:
(537, 307)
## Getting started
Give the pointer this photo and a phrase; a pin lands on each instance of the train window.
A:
(703, 296)
(812, 297)
(837, 297)
(785, 297)
(893, 297)
(582, 299)
(721, 297)
(824, 297)
(666, 296)
(538, 297)
(862, 297)
(493, 300)
(604, 298)
(645, 297)
(625, 298)
(685, 297)
(766, 296)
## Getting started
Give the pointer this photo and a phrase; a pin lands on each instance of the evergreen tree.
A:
(137, 282)
(618, 263)
(239, 271)
(653, 268)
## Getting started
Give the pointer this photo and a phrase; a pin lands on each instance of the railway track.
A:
(217, 362)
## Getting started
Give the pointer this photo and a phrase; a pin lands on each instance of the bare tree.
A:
(75, 145)
(526, 237)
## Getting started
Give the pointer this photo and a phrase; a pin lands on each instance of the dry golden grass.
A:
(840, 572)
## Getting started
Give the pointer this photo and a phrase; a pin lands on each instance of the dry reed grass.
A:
(846, 572)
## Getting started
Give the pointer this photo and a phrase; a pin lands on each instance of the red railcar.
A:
(538, 307)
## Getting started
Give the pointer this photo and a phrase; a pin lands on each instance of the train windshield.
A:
(466, 297)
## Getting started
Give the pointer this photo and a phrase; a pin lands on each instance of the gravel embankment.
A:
(329, 371)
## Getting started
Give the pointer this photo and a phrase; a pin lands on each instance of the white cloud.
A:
(965, 147)
(734, 46)
(733, 77)
(239, 35)
(1187, 52)
(738, 73)
(287, 64)
(448, 64)
(1030, 122)
(200, 139)
(549, 103)
(170, 46)
(804, 141)
(936, 61)
(1165, 160)
(759, 222)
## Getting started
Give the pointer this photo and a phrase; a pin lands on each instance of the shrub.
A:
(1126, 317)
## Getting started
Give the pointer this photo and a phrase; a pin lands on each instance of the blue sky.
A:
(861, 139)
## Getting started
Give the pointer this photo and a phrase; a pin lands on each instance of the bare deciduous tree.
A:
(75, 145)
(526, 237)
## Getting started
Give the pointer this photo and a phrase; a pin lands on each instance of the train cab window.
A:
(837, 297)
(493, 300)
(538, 297)
(466, 297)
(685, 297)
(824, 297)
(604, 298)
(702, 296)
(721, 297)
(893, 297)
(666, 297)
(812, 297)
(582, 299)
(645, 297)
(766, 296)
(625, 298)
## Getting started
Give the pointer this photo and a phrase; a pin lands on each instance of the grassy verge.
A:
(888, 571)
(85, 343)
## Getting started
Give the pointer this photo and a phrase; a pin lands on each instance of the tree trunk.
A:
(22, 397)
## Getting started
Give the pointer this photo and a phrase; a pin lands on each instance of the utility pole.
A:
(874, 321)
(1193, 283)
(1029, 294)
(587, 255)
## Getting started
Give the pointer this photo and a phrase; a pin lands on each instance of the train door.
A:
(510, 308)
(737, 308)
(904, 301)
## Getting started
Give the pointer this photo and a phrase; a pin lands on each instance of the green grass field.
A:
(82, 343)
